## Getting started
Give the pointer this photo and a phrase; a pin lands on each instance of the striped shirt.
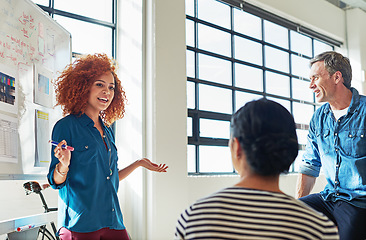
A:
(240, 213)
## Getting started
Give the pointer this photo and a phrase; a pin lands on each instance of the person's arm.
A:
(146, 163)
(305, 184)
(60, 174)
(310, 164)
(61, 168)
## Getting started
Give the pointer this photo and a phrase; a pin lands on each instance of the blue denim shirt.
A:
(88, 198)
(339, 147)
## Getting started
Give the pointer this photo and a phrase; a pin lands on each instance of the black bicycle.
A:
(34, 187)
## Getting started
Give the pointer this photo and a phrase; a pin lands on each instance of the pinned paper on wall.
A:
(50, 43)
(8, 90)
(8, 139)
(42, 86)
(43, 150)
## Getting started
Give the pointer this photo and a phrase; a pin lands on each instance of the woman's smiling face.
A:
(101, 93)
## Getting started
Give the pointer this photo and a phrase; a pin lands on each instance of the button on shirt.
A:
(88, 198)
(339, 147)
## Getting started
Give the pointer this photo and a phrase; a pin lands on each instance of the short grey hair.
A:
(334, 62)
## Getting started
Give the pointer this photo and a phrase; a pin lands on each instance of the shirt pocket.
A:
(355, 143)
(84, 153)
(324, 141)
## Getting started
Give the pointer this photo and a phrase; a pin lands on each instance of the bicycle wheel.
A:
(45, 234)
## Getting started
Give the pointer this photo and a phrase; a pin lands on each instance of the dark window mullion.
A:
(114, 29)
(290, 71)
(196, 119)
(233, 80)
(233, 77)
(263, 59)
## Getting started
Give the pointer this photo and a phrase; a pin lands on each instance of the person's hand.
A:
(146, 163)
(63, 155)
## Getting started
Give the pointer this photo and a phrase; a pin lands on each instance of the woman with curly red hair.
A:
(87, 178)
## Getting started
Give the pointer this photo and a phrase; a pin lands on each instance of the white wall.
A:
(166, 114)
(356, 39)
(129, 130)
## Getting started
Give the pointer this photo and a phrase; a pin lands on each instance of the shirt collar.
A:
(354, 102)
(86, 120)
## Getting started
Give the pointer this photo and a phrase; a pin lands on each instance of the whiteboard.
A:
(34, 49)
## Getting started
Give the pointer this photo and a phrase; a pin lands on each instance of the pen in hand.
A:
(54, 143)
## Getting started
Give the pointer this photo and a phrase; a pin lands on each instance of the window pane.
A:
(101, 10)
(241, 98)
(301, 44)
(248, 77)
(247, 24)
(320, 47)
(302, 112)
(190, 33)
(248, 51)
(302, 136)
(190, 64)
(191, 92)
(214, 40)
(285, 103)
(277, 84)
(276, 59)
(215, 99)
(214, 128)
(189, 127)
(97, 39)
(214, 69)
(298, 161)
(190, 7)
(191, 158)
(214, 12)
(215, 159)
(301, 91)
(300, 66)
(275, 34)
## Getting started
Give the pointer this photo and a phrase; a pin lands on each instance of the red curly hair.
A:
(74, 83)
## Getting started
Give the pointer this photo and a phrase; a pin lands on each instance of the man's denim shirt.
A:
(339, 146)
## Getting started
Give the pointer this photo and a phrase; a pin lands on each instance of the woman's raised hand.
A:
(146, 163)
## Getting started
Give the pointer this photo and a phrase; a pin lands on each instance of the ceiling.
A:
(348, 4)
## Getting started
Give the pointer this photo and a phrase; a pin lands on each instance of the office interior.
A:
(151, 52)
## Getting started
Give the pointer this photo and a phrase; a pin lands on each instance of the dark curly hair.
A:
(73, 87)
(266, 132)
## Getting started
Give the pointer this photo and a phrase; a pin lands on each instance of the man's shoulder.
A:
(321, 111)
(363, 99)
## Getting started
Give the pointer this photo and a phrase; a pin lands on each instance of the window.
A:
(236, 55)
(92, 23)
